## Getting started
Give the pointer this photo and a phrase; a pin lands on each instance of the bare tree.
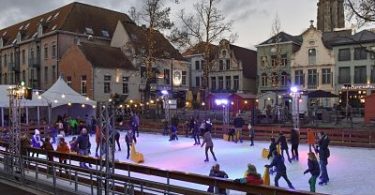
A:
(156, 18)
(363, 11)
(206, 24)
(134, 15)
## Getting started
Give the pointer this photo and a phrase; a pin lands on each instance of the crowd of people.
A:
(200, 131)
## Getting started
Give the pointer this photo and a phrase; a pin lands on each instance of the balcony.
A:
(312, 86)
(34, 62)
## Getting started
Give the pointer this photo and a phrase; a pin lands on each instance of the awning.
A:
(321, 94)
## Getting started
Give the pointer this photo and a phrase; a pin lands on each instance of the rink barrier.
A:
(85, 176)
(340, 137)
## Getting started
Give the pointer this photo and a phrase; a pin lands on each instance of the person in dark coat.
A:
(129, 142)
(83, 143)
(238, 123)
(251, 134)
(313, 168)
(47, 146)
(216, 172)
(207, 139)
(324, 153)
(294, 139)
(278, 162)
(173, 133)
(284, 145)
(196, 133)
(133, 125)
(117, 139)
(271, 148)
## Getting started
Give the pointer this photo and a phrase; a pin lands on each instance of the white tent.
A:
(61, 94)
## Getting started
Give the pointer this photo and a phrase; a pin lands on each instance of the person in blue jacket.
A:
(313, 168)
(278, 162)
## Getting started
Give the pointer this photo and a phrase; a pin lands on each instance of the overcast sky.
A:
(252, 18)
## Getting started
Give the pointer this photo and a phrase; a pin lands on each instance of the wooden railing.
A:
(342, 137)
(168, 175)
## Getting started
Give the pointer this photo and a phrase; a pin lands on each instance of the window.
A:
(284, 59)
(183, 78)
(264, 80)
(227, 64)
(5, 60)
(11, 58)
(213, 83)
(228, 82)
(197, 65)
(274, 60)
(312, 78)
(236, 83)
(105, 33)
(274, 79)
(344, 75)
(312, 56)
(166, 76)
(344, 54)
(125, 85)
(263, 60)
(5, 78)
(360, 53)
(284, 79)
(360, 74)
(23, 56)
(45, 74)
(53, 51)
(221, 83)
(31, 79)
(83, 84)
(299, 78)
(54, 73)
(221, 65)
(326, 76)
(107, 84)
(373, 74)
(69, 81)
(197, 81)
(224, 53)
(45, 51)
(89, 31)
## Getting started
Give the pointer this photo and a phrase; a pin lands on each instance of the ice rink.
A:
(351, 170)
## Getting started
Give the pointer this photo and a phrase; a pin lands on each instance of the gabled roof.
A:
(74, 17)
(162, 47)
(105, 57)
(200, 49)
(364, 36)
(248, 58)
(283, 37)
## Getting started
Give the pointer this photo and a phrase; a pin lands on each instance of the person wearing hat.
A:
(251, 176)
(216, 172)
(278, 162)
(36, 141)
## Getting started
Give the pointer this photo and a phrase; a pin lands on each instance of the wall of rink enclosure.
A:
(69, 178)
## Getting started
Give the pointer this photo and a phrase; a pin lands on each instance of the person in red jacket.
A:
(251, 176)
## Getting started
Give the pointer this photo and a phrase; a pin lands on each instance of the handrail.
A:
(176, 175)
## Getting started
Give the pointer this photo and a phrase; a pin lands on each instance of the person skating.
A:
(251, 134)
(278, 162)
(311, 139)
(284, 145)
(133, 125)
(324, 154)
(83, 142)
(313, 168)
(238, 123)
(207, 139)
(294, 139)
(173, 133)
(272, 148)
(196, 133)
(129, 142)
(137, 123)
(216, 172)
(117, 140)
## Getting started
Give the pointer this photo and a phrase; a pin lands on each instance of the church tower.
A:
(330, 15)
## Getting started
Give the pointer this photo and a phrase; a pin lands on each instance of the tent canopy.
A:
(321, 94)
(61, 94)
(4, 98)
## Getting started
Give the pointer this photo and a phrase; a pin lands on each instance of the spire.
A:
(330, 15)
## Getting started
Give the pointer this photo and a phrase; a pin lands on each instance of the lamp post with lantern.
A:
(295, 93)
(224, 103)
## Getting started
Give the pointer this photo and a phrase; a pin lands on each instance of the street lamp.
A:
(295, 93)
(224, 103)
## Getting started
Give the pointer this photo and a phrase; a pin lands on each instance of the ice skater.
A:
(117, 140)
(278, 162)
(196, 133)
(173, 133)
(294, 139)
(284, 145)
(313, 168)
(251, 134)
(207, 139)
(311, 139)
(238, 123)
(324, 154)
(129, 142)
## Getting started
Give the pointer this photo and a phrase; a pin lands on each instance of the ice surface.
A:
(351, 170)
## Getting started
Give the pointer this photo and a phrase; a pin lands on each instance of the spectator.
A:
(83, 143)
(73, 145)
(36, 141)
(251, 176)
(47, 146)
(216, 172)
(25, 144)
(63, 148)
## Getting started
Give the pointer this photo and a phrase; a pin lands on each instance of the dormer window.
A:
(54, 27)
(89, 31)
(224, 53)
(21, 27)
(56, 15)
(105, 33)
(19, 37)
(49, 18)
(27, 26)
(40, 30)
(1, 44)
(5, 33)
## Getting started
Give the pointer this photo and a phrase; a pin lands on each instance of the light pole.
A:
(224, 104)
(295, 93)
(165, 96)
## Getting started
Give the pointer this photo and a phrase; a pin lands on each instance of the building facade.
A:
(330, 15)
(30, 51)
(274, 78)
